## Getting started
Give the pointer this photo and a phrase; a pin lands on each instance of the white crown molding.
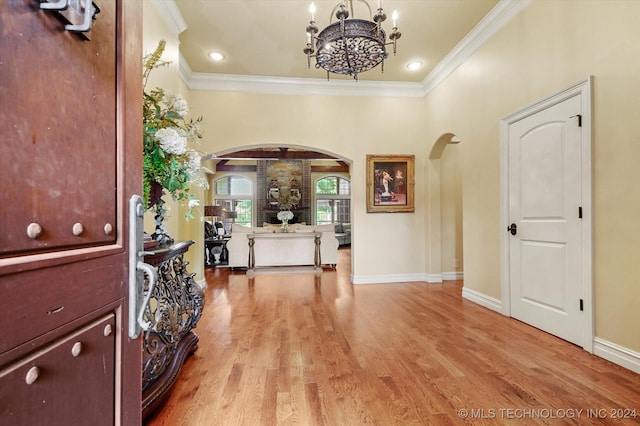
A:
(300, 86)
(184, 70)
(293, 86)
(171, 15)
(503, 12)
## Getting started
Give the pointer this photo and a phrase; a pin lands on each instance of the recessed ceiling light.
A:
(415, 65)
(216, 56)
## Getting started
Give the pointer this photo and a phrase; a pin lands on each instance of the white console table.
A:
(284, 249)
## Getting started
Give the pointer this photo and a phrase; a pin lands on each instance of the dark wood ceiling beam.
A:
(276, 155)
(330, 169)
(315, 169)
(223, 164)
(234, 168)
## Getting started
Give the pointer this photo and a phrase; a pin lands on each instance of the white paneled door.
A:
(545, 219)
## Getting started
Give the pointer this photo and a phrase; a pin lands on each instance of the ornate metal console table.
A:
(173, 311)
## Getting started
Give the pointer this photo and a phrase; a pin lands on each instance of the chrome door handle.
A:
(153, 279)
(138, 298)
(89, 11)
(58, 5)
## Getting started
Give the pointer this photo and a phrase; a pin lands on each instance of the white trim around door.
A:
(583, 90)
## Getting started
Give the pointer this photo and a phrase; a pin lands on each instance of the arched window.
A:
(235, 195)
(333, 200)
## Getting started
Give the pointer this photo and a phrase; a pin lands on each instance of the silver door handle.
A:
(138, 298)
(89, 11)
(153, 279)
(58, 5)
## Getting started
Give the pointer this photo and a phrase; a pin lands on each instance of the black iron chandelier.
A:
(350, 46)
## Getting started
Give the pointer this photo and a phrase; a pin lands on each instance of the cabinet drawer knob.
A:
(34, 230)
(77, 229)
(108, 229)
(76, 349)
(108, 329)
(32, 375)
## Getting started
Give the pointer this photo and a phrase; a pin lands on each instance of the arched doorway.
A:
(255, 161)
(444, 214)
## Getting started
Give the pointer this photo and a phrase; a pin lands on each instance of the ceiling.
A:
(265, 38)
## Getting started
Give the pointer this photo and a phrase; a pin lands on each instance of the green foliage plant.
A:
(170, 165)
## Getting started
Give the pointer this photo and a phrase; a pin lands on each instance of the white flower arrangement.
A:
(169, 164)
(171, 141)
(285, 215)
(175, 103)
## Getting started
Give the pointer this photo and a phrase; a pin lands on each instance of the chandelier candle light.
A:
(350, 46)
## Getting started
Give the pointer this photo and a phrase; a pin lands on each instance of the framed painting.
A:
(390, 184)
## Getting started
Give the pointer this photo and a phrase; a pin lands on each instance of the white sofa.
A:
(238, 244)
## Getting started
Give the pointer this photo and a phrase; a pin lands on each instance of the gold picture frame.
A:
(390, 183)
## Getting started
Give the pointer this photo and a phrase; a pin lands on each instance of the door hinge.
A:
(579, 119)
(581, 305)
(580, 212)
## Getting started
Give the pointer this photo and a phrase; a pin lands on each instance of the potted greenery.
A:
(170, 166)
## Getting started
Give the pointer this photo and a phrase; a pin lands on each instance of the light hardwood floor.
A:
(312, 349)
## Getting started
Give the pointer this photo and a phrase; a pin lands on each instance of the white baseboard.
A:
(610, 351)
(202, 283)
(433, 278)
(482, 299)
(387, 279)
(617, 354)
(453, 276)
(430, 278)
(604, 349)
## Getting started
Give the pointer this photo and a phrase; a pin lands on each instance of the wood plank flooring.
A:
(312, 349)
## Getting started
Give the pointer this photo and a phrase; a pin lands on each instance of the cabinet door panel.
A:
(69, 382)
(37, 301)
(58, 133)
